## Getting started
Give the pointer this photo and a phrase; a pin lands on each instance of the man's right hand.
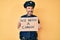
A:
(19, 24)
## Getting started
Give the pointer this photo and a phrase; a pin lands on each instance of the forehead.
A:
(29, 7)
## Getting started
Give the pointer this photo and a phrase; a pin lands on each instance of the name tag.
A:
(29, 24)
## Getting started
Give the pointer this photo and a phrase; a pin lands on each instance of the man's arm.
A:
(19, 24)
(38, 24)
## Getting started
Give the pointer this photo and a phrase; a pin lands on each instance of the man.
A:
(28, 35)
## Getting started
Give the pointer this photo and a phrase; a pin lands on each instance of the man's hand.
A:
(19, 24)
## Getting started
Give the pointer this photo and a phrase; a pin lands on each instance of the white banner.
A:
(29, 24)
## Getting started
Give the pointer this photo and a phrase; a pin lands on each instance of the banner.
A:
(29, 24)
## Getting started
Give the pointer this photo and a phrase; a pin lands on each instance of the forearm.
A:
(19, 24)
(38, 26)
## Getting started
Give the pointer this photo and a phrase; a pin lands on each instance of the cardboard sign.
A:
(29, 24)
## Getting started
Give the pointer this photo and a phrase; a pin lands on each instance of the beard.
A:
(30, 12)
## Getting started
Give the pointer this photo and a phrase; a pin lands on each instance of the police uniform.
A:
(29, 35)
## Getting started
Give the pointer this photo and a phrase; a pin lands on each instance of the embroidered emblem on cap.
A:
(30, 2)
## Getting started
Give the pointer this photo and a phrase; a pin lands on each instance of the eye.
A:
(28, 8)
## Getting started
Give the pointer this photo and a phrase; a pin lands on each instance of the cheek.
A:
(28, 10)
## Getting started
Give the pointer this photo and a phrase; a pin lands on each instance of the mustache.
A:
(30, 11)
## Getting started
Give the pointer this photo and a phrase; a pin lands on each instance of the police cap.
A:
(29, 3)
